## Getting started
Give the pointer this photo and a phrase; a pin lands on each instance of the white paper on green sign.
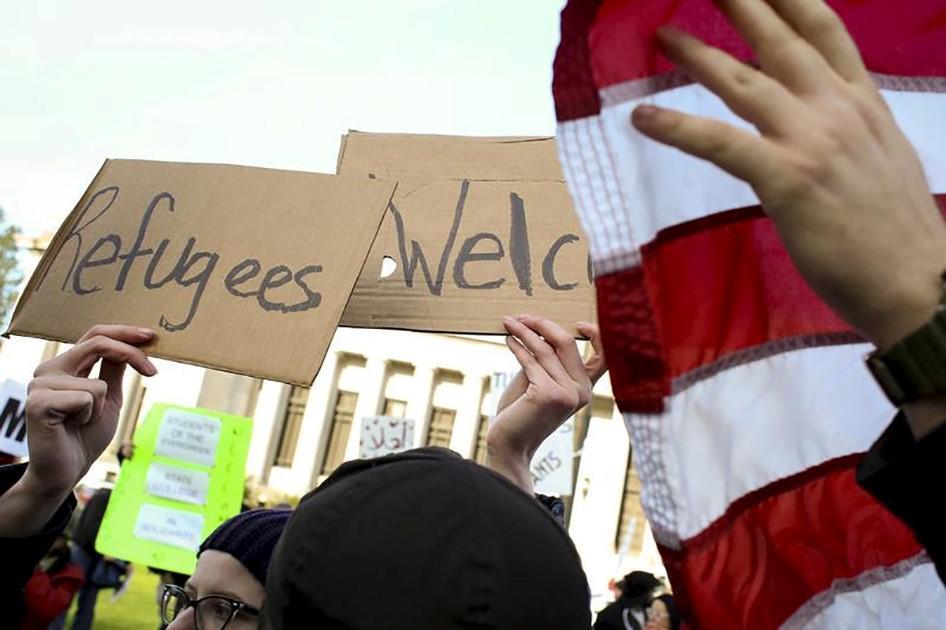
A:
(177, 484)
(191, 437)
(171, 527)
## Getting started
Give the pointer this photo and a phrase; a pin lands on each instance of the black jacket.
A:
(618, 616)
(907, 475)
(90, 520)
(21, 555)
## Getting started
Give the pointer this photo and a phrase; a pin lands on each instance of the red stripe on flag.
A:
(724, 284)
(629, 332)
(573, 86)
(906, 38)
(720, 290)
(778, 547)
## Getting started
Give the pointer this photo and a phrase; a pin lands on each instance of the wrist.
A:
(27, 507)
(513, 464)
(42, 489)
(913, 307)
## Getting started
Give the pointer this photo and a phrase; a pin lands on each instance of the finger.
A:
(562, 342)
(749, 93)
(516, 388)
(95, 387)
(593, 334)
(530, 366)
(112, 373)
(79, 359)
(595, 365)
(59, 405)
(541, 350)
(134, 335)
(781, 51)
(736, 151)
(821, 27)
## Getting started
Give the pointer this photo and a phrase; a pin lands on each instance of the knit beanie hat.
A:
(250, 537)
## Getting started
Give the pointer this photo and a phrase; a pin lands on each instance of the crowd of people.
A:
(426, 539)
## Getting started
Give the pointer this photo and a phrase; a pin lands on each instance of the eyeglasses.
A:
(214, 612)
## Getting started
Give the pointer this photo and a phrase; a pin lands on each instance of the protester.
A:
(849, 198)
(635, 594)
(424, 539)
(85, 555)
(662, 614)
(70, 420)
(227, 588)
(50, 590)
(235, 558)
(552, 385)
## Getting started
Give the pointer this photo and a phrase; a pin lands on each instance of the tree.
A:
(10, 276)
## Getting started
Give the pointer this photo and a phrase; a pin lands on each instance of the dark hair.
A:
(637, 588)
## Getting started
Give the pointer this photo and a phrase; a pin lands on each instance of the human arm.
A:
(552, 385)
(848, 196)
(844, 187)
(70, 419)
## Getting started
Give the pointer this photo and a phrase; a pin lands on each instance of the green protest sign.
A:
(186, 477)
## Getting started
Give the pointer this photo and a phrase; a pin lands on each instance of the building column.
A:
(270, 405)
(369, 402)
(418, 406)
(463, 439)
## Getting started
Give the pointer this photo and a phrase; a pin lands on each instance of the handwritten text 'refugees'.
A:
(193, 267)
(246, 279)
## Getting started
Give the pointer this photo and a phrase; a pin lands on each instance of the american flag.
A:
(746, 397)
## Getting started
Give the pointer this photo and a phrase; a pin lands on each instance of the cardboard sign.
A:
(169, 497)
(478, 228)
(552, 463)
(13, 419)
(240, 269)
(384, 435)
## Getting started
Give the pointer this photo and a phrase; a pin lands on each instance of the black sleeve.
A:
(908, 477)
(21, 555)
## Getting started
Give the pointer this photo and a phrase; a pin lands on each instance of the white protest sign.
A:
(177, 484)
(188, 436)
(13, 419)
(171, 527)
(384, 435)
(552, 464)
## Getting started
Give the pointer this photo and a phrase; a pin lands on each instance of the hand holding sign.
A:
(70, 420)
(553, 384)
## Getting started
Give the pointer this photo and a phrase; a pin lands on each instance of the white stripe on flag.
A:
(749, 426)
(661, 187)
(903, 602)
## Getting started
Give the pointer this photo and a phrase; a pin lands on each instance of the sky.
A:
(271, 84)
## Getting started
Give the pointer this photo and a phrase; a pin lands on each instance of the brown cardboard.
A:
(516, 247)
(193, 280)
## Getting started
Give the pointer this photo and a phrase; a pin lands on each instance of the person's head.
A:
(637, 587)
(227, 589)
(423, 539)
(662, 614)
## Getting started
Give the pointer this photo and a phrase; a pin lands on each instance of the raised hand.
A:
(552, 385)
(844, 186)
(71, 418)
